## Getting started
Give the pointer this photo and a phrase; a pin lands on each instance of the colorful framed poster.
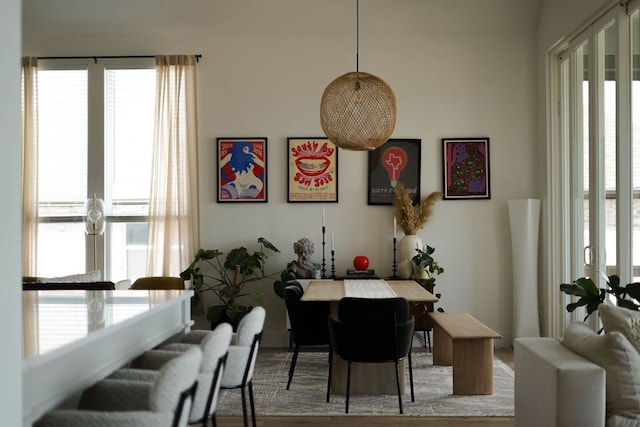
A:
(242, 169)
(465, 168)
(394, 162)
(312, 170)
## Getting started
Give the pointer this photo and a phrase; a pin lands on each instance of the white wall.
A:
(10, 252)
(458, 70)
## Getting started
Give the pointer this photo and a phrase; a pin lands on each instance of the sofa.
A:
(584, 379)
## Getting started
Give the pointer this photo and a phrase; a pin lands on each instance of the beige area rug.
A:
(432, 384)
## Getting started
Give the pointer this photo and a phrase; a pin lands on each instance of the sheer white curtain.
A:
(29, 165)
(173, 204)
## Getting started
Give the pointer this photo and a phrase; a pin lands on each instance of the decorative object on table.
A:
(591, 296)
(303, 267)
(465, 168)
(227, 279)
(312, 169)
(358, 109)
(394, 163)
(242, 169)
(333, 264)
(94, 223)
(524, 218)
(361, 262)
(412, 219)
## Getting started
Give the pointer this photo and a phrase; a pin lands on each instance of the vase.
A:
(405, 269)
(407, 247)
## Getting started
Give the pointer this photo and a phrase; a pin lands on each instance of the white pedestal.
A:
(524, 218)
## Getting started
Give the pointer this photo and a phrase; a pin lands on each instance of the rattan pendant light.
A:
(358, 110)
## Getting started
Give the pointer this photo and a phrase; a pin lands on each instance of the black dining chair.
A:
(308, 324)
(373, 330)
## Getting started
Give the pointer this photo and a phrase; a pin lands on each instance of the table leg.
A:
(473, 366)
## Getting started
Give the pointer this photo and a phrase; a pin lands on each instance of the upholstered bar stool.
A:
(214, 345)
(127, 403)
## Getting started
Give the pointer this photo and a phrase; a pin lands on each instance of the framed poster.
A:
(465, 168)
(394, 162)
(312, 170)
(242, 169)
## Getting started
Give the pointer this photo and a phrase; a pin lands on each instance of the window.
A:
(95, 137)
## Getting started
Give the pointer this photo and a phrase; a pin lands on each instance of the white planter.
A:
(524, 218)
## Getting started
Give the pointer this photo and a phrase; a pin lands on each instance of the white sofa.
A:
(583, 380)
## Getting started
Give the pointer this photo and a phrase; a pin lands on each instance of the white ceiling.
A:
(258, 16)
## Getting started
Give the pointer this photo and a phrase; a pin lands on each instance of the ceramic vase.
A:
(405, 269)
(407, 247)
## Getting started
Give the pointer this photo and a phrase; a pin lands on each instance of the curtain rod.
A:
(95, 58)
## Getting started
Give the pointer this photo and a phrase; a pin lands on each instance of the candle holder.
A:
(333, 265)
(324, 264)
(395, 264)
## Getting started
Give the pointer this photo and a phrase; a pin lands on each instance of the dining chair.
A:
(166, 402)
(308, 325)
(241, 360)
(373, 330)
(214, 345)
(158, 283)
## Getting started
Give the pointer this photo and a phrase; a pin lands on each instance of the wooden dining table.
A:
(366, 378)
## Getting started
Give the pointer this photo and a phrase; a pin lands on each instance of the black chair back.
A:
(372, 330)
(308, 319)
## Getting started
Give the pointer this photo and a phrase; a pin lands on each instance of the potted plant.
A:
(227, 277)
(590, 296)
(426, 270)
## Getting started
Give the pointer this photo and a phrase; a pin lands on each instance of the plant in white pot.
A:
(411, 219)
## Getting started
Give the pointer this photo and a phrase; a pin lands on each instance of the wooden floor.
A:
(506, 355)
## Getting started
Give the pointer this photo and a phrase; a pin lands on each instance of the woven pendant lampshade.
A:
(358, 111)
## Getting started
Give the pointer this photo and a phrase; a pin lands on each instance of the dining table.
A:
(366, 378)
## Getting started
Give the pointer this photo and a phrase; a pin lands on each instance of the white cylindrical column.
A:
(524, 218)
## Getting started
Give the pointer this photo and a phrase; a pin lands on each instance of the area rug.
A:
(433, 391)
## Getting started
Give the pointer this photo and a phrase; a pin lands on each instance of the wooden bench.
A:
(462, 341)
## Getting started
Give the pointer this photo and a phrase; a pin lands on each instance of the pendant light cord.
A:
(357, 35)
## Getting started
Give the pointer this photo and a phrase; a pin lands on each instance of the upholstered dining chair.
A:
(241, 360)
(127, 403)
(214, 345)
(373, 330)
(158, 283)
(308, 325)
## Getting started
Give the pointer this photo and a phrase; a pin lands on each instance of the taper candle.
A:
(323, 223)
(394, 227)
(332, 244)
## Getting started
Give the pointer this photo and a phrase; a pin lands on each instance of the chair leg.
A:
(411, 377)
(429, 340)
(346, 408)
(424, 338)
(398, 386)
(329, 376)
(253, 409)
(244, 407)
(214, 423)
(292, 367)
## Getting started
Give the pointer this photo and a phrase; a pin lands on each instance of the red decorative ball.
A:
(361, 262)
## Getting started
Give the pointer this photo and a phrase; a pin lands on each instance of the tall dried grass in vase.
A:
(412, 218)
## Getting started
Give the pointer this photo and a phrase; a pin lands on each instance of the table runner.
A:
(368, 289)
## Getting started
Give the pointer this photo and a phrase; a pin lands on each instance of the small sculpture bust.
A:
(303, 267)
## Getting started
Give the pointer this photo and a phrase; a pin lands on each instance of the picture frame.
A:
(312, 170)
(465, 168)
(394, 162)
(242, 169)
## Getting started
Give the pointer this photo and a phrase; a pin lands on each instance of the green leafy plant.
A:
(426, 270)
(286, 275)
(590, 296)
(227, 278)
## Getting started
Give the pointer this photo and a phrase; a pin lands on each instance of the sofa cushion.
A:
(620, 361)
(623, 320)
